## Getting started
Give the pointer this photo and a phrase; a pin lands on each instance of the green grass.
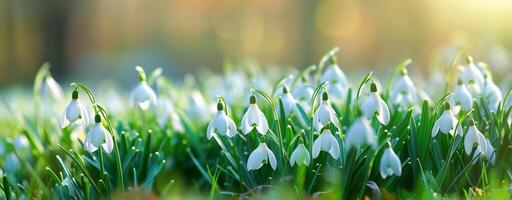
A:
(151, 160)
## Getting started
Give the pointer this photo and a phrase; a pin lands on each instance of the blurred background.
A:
(96, 40)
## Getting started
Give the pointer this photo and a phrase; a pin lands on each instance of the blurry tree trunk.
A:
(54, 18)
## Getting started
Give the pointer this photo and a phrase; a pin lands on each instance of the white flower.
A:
(52, 89)
(198, 108)
(493, 94)
(260, 156)
(446, 123)
(254, 118)
(221, 124)
(336, 79)
(474, 137)
(490, 153)
(472, 77)
(166, 114)
(361, 133)
(390, 164)
(75, 112)
(324, 114)
(289, 103)
(300, 156)
(403, 92)
(374, 105)
(326, 142)
(461, 98)
(303, 93)
(143, 96)
(97, 136)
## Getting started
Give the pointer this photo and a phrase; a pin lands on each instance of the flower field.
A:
(310, 133)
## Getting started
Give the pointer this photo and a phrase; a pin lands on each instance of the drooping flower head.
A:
(261, 155)
(336, 79)
(461, 98)
(472, 77)
(446, 123)
(221, 124)
(289, 103)
(300, 155)
(403, 92)
(360, 133)
(142, 95)
(492, 93)
(374, 105)
(52, 89)
(167, 115)
(390, 164)
(97, 136)
(254, 118)
(326, 142)
(303, 92)
(75, 112)
(474, 138)
(324, 114)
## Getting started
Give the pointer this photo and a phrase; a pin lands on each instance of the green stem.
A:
(116, 148)
(100, 154)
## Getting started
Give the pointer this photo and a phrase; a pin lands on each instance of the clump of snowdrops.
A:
(312, 133)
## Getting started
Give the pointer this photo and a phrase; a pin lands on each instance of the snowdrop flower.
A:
(303, 93)
(198, 108)
(490, 153)
(446, 123)
(97, 136)
(75, 112)
(254, 118)
(166, 114)
(260, 156)
(492, 93)
(300, 156)
(403, 92)
(474, 137)
(336, 79)
(52, 89)
(326, 142)
(361, 133)
(289, 103)
(472, 77)
(143, 96)
(461, 98)
(221, 124)
(390, 164)
(324, 114)
(374, 105)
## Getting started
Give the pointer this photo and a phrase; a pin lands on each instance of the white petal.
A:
(263, 126)
(317, 146)
(246, 127)
(209, 130)
(271, 158)
(435, 129)
(384, 164)
(232, 128)
(256, 158)
(335, 148)
(384, 114)
(89, 146)
(369, 107)
(109, 143)
(64, 121)
(220, 123)
(293, 157)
